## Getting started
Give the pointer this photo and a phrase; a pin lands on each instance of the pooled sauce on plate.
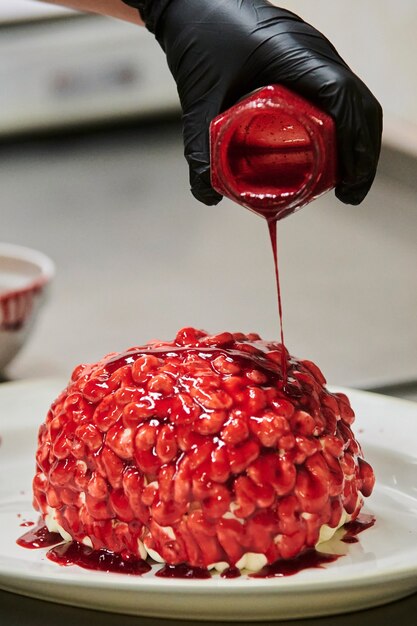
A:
(39, 537)
(361, 523)
(231, 572)
(307, 560)
(73, 553)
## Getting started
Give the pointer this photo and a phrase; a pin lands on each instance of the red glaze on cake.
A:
(195, 451)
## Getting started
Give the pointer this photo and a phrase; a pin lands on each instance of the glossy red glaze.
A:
(161, 443)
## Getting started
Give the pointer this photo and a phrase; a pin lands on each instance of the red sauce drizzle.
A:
(74, 553)
(26, 524)
(38, 537)
(272, 227)
(16, 305)
(182, 571)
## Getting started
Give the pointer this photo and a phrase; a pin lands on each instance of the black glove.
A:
(220, 50)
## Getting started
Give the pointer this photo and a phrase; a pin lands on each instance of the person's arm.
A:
(110, 8)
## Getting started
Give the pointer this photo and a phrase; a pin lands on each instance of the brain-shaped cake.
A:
(197, 451)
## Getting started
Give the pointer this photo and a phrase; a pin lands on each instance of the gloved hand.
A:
(220, 50)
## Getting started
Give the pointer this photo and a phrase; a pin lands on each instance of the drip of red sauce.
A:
(26, 524)
(16, 306)
(349, 539)
(183, 571)
(38, 537)
(307, 560)
(74, 553)
(231, 572)
(361, 523)
(272, 227)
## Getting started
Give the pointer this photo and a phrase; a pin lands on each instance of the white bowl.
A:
(25, 275)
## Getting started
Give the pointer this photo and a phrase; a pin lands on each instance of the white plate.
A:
(380, 568)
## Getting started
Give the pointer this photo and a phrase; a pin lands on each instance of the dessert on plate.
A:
(198, 451)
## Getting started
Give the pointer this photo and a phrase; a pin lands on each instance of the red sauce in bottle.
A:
(273, 152)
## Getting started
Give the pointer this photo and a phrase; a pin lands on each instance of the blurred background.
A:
(92, 174)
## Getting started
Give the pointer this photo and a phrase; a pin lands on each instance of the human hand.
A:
(220, 50)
